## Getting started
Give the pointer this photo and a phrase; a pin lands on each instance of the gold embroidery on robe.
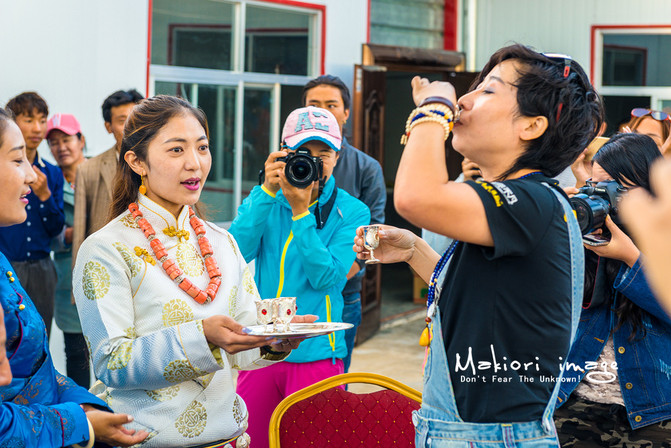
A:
(233, 301)
(121, 356)
(180, 370)
(189, 260)
(96, 280)
(191, 423)
(238, 414)
(204, 380)
(132, 262)
(129, 221)
(165, 394)
(176, 312)
(248, 282)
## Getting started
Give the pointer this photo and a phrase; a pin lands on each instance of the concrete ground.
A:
(394, 351)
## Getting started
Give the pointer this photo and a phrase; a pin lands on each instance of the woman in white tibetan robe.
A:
(160, 354)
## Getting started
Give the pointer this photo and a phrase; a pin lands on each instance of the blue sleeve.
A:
(37, 425)
(51, 211)
(247, 227)
(69, 391)
(632, 283)
(327, 266)
(374, 192)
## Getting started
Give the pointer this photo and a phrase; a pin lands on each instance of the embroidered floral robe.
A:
(146, 335)
(40, 407)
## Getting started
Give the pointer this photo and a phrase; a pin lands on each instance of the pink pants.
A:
(263, 390)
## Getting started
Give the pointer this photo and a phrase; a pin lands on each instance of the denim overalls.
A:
(438, 423)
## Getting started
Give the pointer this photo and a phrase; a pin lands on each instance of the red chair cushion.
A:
(337, 418)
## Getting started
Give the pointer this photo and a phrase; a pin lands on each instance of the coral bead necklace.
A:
(171, 268)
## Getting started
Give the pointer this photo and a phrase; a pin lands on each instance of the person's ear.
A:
(346, 116)
(108, 126)
(135, 164)
(533, 127)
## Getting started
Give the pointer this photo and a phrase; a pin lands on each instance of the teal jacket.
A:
(294, 258)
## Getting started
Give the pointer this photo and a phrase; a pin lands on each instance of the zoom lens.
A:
(301, 171)
(591, 212)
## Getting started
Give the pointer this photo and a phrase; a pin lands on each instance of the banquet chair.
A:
(325, 415)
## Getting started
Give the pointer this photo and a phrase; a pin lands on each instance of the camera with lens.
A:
(302, 168)
(594, 203)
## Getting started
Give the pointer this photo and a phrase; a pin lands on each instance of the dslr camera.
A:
(594, 203)
(302, 168)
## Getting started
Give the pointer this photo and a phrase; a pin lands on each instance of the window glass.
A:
(256, 135)
(277, 41)
(636, 60)
(194, 33)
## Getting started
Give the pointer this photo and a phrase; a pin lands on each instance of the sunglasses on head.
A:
(656, 114)
(562, 59)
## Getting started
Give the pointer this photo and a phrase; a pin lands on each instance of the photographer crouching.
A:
(298, 226)
(500, 327)
(617, 392)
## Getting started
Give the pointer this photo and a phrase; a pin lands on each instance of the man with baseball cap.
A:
(67, 144)
(301, 239)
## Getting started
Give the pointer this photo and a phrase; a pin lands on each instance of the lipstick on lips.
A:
(192, 183)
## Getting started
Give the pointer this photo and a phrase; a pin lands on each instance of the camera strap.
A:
(322, 214)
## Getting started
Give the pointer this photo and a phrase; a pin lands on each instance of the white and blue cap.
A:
(311, 123)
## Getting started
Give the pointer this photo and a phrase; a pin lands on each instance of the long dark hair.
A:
(542, 89)
(142, 125)
(627, 158)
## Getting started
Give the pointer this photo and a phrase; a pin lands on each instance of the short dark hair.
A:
(119, 98)
(542, 89)
(329, 80)
(26, 103)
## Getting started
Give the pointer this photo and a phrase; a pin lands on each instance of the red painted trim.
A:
(150, 10)
(595, 28)
(450, 24)
(368, 22)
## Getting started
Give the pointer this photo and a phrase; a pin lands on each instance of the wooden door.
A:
(368, 126)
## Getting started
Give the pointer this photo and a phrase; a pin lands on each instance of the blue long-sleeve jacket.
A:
(643, 364)
(40, 407)
(31, 240)
(294, 258)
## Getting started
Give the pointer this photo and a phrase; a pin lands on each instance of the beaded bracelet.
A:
(92, 437)
(440, 100)
(437, 113)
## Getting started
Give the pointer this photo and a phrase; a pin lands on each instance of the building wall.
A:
(76, 52)
(560, 27)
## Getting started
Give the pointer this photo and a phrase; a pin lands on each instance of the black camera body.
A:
(594, 203)
(302, 169)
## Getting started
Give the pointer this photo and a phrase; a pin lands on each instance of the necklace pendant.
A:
(425, 338)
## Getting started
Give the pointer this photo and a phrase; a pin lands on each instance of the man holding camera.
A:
(358, 174)
(299, 226)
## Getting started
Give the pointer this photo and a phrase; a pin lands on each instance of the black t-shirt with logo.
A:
(506, 310)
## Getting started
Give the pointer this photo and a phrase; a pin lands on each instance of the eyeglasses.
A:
(656, 114)
(566, 60)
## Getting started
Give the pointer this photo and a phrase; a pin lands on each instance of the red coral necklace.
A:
(171, 268)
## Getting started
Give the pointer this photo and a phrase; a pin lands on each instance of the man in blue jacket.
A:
(301, 238)
(358, 174)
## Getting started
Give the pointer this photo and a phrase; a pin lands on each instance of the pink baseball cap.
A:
(64, 122)
(311, 123)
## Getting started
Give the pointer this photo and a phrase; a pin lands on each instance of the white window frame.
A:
(657, 94)
(241, 80)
